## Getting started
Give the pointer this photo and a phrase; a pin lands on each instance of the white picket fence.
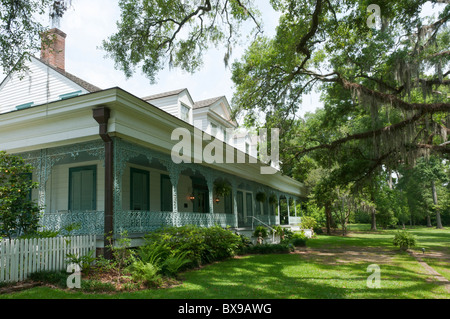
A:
(21, 257)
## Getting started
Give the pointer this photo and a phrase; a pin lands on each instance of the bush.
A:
(262, 230)
(404, 240)
(57, 278)
(299, 240)
(308, 222)
(144, 271)
(200, 245)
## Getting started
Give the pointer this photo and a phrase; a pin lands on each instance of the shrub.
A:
(262, 230)
(57, 278)
(308, 222)
(299, 239)
(201, 245)
(144, 271)
(404, 240)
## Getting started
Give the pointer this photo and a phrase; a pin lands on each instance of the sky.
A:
(87, 23)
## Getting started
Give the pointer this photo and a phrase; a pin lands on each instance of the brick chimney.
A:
(53, 48)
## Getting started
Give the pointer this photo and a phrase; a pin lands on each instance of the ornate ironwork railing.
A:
(92, 222)
(143, 221)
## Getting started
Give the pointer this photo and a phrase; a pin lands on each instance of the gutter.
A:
(101, 115)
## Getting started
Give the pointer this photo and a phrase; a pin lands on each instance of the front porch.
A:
(150, 191)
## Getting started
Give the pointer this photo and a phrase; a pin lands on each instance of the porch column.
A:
(279, 208)
(235, 208)
(42, 178)
(174, 174)
(288, 209)
(210, 184)
(295, 207)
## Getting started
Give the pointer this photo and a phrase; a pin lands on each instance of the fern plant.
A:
(172, 265)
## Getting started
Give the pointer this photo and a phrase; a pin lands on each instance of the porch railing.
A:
(92, 222)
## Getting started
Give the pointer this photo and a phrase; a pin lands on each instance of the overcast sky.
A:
(89, 22)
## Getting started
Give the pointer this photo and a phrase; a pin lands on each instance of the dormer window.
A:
(185, 113)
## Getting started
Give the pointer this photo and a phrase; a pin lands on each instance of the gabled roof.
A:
(207, 102)
(85, 85)
(164, 94)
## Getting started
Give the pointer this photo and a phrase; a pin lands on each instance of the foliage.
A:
(299, 239)
(19, 215)
(261, 197)
(175, 33)
(85, 262)
(201, 245)
(273, 199)
(260, 231)
(221, 188)
(404, 240)
(20, 30)
(144, 271)
(308, 222)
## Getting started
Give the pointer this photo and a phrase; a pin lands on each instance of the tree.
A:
(153, 34)
(18, 214)
(21, 30)
(432, 170)
(394, 77)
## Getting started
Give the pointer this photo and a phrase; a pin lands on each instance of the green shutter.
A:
(139, 190)
(166, 194)
(83, 188)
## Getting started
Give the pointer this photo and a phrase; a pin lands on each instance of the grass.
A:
(326, 270)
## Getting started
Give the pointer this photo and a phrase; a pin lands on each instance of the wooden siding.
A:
(40, 85)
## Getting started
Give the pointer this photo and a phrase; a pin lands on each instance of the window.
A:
(213, 129)
(228, 204)
(247, 148)
(83, 188)
(201, 195)
(139, 189)
(166, 194)
(185, 113)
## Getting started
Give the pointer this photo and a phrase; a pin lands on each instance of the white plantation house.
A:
(103, 157)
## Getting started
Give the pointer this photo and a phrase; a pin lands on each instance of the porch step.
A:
(248, 232)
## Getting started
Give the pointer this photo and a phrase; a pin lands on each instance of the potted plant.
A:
(221, 188)
(261, 197)
(273, 199)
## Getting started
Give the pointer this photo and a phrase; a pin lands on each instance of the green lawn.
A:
(338, 271)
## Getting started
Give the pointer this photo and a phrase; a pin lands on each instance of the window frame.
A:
(147, 181)
(94, 188)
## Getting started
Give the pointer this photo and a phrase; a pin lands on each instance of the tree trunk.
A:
(428, 220)
(438, 214)
(373, 225)
(328, 217)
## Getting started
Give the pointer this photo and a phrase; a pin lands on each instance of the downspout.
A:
(101, 115)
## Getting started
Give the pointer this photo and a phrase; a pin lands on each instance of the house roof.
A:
(164, 94)
(207, 102)
(85, 85)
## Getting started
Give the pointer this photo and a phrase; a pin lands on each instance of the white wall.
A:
(40, 85)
